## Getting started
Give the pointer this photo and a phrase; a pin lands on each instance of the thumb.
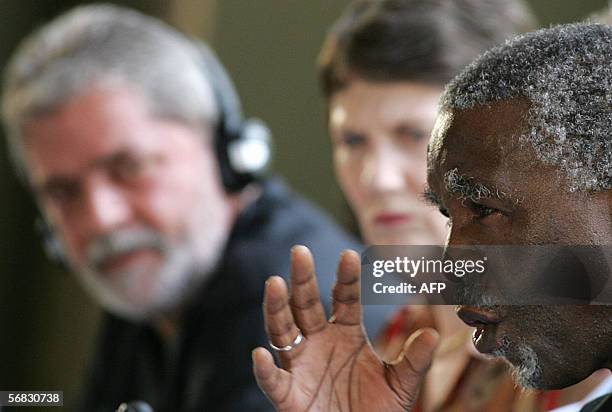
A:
(406, 373)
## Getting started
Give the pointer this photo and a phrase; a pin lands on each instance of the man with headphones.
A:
(150, 185)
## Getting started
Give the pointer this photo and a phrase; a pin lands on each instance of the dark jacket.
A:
(211, 368)
(601, 404)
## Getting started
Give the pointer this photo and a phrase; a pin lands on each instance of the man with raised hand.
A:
(533, 119)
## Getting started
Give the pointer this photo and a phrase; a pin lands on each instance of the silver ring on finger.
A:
(292, 345)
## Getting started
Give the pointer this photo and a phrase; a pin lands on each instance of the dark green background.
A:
(47, 324)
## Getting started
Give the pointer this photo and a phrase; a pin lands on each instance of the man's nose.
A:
(383, 171)
(461, 234)
(105, 206)
(455, 237)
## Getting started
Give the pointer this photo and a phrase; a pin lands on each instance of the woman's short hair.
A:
(415, 40)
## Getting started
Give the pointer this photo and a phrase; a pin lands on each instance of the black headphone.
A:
(243, 146)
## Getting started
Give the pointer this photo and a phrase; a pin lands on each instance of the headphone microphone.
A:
(136, 406)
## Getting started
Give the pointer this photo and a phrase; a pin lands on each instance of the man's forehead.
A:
(85, 130)
(482, 141)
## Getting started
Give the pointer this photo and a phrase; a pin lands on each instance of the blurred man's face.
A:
(136, 200)
(550, 346)
(380, 133)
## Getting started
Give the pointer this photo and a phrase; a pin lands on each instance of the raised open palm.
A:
(334, 367)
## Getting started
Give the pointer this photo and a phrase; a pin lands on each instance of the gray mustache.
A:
(121, 242)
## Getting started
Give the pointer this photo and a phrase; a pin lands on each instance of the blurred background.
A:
(47, 324)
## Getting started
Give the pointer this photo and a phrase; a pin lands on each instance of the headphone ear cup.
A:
(250, 154)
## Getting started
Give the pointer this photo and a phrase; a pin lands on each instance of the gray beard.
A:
(186, 269)
(528, 371)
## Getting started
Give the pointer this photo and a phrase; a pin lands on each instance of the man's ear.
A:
(242, 199)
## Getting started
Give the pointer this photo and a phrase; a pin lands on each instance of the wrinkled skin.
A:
(334, 368)
(570, 341)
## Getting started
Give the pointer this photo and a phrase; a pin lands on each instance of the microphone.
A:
(136, 406)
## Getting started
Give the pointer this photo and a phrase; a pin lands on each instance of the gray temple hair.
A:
(566, 74)
(104, 45)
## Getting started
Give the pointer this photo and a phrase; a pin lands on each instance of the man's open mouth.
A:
(486, 323)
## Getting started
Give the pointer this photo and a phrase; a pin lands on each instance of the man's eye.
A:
(353, 140)
(62, 194)
(130, 168)
(126, 169)
(444, 212)
(481, 210)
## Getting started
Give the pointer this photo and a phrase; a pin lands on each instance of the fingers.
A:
(347, 293)
(407, 372)
(305, 302)
(395, 335)
(280, 326)
(419, 349)
(406, 321)
(273, 381)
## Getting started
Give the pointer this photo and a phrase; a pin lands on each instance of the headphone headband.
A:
(243, 146)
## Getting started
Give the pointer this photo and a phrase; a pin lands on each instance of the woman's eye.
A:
(411, 133)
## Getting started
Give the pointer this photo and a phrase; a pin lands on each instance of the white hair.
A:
(565, 72)
(100, 45)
